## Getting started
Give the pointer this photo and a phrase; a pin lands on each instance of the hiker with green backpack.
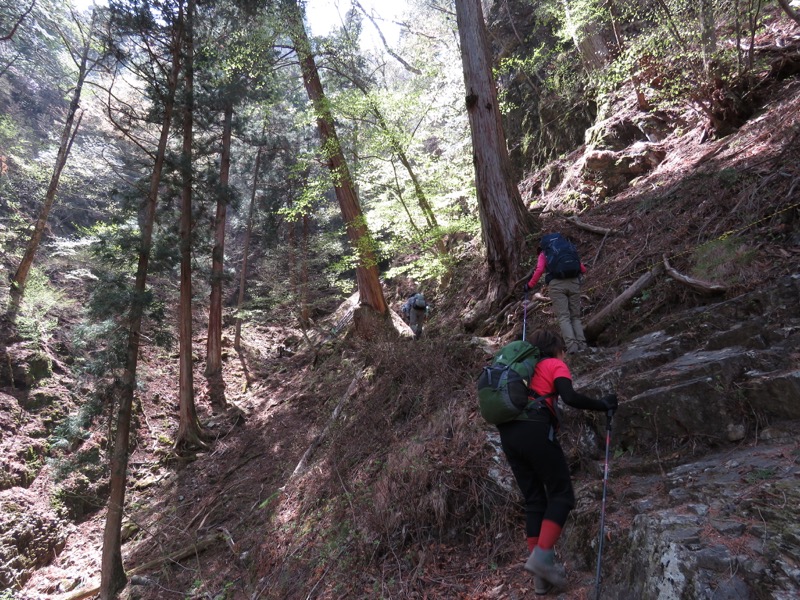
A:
(519, 394)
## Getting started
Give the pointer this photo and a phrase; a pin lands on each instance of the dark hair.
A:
(549, 342)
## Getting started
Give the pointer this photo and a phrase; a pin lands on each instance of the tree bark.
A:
(216, 384)
(369, 286)
(189, 431)
(708, 36)
(504, 219)
(237, 339)
(787, 8)
(67, 137)
(112, 572)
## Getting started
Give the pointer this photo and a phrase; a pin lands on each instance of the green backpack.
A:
(503, 386)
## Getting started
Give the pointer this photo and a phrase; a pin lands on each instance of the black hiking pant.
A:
(541, 471)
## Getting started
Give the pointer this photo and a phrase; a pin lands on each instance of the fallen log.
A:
(302, 465)
(704, 287)
(191, 550)
(593, 228)
(598, 322)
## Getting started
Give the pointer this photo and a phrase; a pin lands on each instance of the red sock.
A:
(549, 534)
(532, 541)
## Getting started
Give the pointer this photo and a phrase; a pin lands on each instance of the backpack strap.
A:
(534, 412)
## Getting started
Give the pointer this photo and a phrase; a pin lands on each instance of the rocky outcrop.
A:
(30, 534)
(705, 470)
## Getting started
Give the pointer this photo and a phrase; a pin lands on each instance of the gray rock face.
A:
(730, 529)
(705, 475)
(30, 534)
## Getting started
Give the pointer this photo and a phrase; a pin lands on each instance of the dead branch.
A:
(704, 287)
(389, 51)
(176, 556)
(10, 34)
(593, 228)
(599, 248)
(302, 465)
(598, 322)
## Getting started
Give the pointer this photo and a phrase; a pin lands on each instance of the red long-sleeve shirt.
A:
(541, 266)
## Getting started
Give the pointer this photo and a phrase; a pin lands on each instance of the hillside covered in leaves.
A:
(283, 446)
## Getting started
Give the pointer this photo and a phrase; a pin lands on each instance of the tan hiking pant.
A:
(566, 297)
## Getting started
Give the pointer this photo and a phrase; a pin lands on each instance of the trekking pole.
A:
(525, 314)
(609, 416)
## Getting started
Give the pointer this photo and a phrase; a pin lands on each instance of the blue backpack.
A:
(562, 257)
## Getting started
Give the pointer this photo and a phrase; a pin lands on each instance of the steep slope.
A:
(401, 492)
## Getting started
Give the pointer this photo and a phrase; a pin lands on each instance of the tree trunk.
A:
(216, 384)
(237, 339)
(787, 8)
(598, 322)
(67, 137)
(305, 313)
(369, 286)
(112, 572)
(189, 430)
(504, 218)
(708, 35)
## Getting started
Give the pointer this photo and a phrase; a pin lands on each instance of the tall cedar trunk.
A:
(67, 136)
(189, 431)
(112, 572)
(504, 219)
(237, 340)
(369, 286)
(216, 384)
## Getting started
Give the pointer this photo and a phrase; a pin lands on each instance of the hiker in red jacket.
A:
(559, 259)
(538, 462)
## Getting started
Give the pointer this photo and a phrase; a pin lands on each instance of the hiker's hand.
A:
(611, 402)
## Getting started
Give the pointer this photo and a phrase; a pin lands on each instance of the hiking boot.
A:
(540, 586)
(543, 564)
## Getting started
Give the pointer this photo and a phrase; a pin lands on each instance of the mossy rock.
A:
(24, 367)
(30, 535)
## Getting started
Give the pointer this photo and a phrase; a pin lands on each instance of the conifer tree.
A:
(504, 219)
(189, 430)
(112, 571)
(70, 129)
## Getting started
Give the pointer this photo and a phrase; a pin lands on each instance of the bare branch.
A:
(389, 51)
(704, 287)
(5, 38)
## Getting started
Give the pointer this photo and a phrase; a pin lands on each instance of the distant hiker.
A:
(415, 310)
(537, 460)
(559, 258)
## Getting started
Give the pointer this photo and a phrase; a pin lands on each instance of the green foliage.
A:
(728, 177)
(87, 462)
(75, 427)
(757, 475)
(721, 259)
(35, 321)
